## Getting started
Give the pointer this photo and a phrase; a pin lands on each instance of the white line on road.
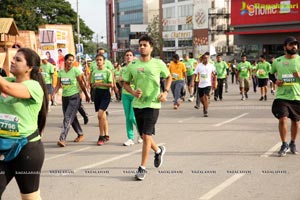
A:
(271, 151)
(230, 120)
(187, 119)
(109, 160)
(65, 154)
(221, 187)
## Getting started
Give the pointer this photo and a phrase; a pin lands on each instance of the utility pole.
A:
(78, 27)
(97, 40)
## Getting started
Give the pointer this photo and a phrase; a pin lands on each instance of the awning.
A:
(262, 32)
(8, 26)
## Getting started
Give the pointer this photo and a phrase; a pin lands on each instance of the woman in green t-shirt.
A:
(23, 110)
(101, 80)
(69, 78)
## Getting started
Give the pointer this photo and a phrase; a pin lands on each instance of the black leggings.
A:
(26, 168)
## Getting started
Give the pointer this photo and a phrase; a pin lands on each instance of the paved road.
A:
(231, 155)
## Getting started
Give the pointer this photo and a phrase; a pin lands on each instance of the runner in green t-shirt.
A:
(190, 64)
(47, 71)
(101, 81)
(145, 74)
(118, 88)
(222, 72)
(287, 100)
(262, 72)
(69, 78)
(244, 74)
(23, 111)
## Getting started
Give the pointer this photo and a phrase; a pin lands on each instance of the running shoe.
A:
(106, 138)
(158, 157)
(141, 174)
(243, 98)
(61, 143)
(261, 98)
(100, 141)
(191, 99)
(85, 120)
(139, 140)
(265, 97)
(246, 95)
(197, 107)
(293, 149)
(205, 113)
(129, 142)
(79, 138)
(283, 149)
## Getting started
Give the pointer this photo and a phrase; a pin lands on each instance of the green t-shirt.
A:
(47, 71)
(69, 81)
(284, 68)
(117, 74)
(123, 71)
(263, 70)
(244, 69)
(107, 65)
(221, 68)
(101, 76)
(189, 65)
(19, 117)
(146, 77)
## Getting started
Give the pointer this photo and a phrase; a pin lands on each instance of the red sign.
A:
(249, 12)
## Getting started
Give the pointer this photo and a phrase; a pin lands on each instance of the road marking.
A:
(221, 187)
(230, 120)
(65, 154)
(109, 160)
(271, 151)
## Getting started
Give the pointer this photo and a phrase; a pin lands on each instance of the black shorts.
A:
(286, 108)
(146, 119)
(262, 82)
(189, 80)
(49, 89)
(204, 91)
(101, 99)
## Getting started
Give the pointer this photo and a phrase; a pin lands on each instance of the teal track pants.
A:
(129, 114)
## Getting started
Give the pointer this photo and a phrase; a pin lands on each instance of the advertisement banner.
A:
(251, 12)
(200, 18)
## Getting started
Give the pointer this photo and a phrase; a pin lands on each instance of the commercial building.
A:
(260, 27)
(195, 26)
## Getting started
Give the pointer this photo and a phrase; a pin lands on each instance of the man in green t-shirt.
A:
(287, 100)
(262, 72)
(47, 71)
(244, 74)
(145, 74)
(190, 64)
(222, 72)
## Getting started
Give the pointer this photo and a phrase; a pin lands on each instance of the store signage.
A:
(177, 34)
(264, 11)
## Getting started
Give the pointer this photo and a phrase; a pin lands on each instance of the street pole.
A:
(78, 27)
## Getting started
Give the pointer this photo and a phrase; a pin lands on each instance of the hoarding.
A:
(253, 12)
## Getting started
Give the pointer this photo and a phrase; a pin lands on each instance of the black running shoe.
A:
(141, 174)
(261, 98)
(293, 149)
(283, 149)
(158, 157)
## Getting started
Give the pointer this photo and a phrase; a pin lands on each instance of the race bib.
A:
(9, 125)
(99, 78)
(65, 81)
(288, 78)
(175, 76)
(204, 76)
(261, 72)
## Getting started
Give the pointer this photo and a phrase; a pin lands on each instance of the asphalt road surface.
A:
(230, 155)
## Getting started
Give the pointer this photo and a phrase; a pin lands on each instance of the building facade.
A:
(260, 27)
(195, 26)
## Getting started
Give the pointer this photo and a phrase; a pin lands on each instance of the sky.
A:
(93, 14)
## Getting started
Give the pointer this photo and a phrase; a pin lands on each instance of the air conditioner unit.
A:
(225, 49)
(218, 49)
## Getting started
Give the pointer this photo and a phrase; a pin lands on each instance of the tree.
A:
(30, 14)
(153, 30)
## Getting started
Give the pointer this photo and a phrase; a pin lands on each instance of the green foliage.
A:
(30, 14)
(153, 31)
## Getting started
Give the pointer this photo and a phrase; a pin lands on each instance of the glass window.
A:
(169, 12)
(169, 43)
(185, 43)
(169, 28)
(185, 10)
(185, 27)
(168, 1)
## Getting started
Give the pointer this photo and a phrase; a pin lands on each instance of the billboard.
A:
(200, 18)
(253, 12)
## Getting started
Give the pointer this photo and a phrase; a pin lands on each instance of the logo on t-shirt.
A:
(141, 70)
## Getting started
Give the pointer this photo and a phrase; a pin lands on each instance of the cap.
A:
(44, 57)
(290, 39)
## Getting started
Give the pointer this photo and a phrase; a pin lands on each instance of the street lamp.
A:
(78, 27)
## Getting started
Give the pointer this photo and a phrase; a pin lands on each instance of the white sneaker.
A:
(191, 99)
(139, 140)
(128, 143)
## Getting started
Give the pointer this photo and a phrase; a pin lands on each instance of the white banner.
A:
(200, 18)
